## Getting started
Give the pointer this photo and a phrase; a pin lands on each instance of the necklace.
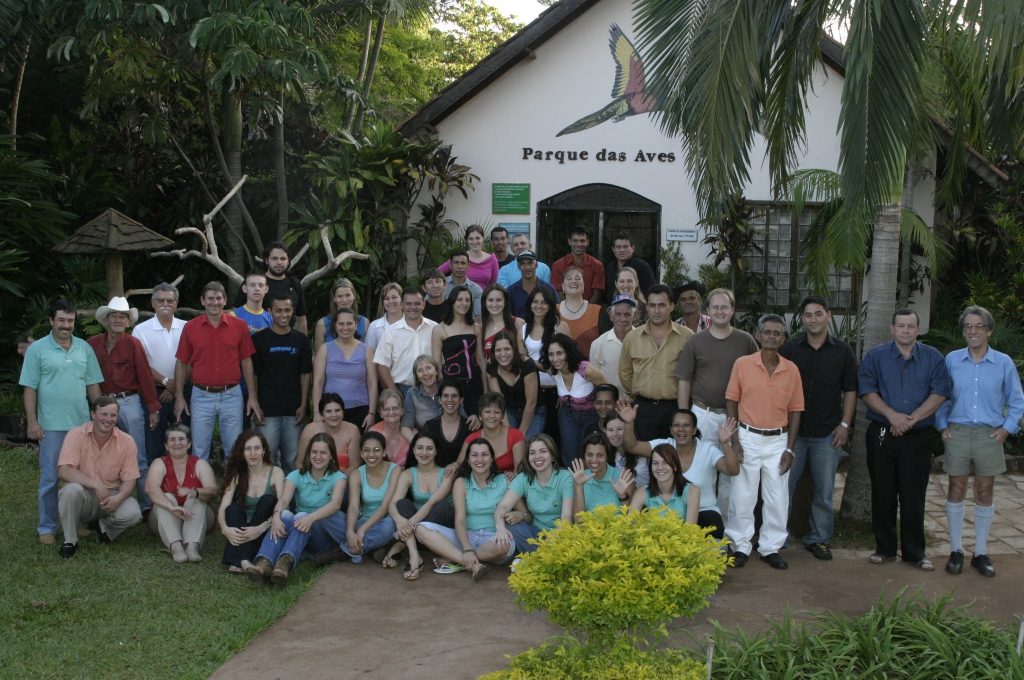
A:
(570, 309)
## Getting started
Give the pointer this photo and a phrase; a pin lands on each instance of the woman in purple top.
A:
(345, 366)
(483, 266)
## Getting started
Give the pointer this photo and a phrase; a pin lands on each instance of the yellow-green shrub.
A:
(612, 573)
(619, 660)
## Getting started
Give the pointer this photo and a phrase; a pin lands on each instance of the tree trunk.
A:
(16, 94)
(885, 248)
(231, 129)
(371, 69)
(906, 254)
(280, 178)
(364, 60)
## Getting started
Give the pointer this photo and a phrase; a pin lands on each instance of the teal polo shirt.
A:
(544, 502)
(481, 502)
(676, 504)
(60, 376)
(312, 494)
(598, 492)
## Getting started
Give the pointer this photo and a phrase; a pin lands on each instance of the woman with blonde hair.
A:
(389, 312)
(343, 296)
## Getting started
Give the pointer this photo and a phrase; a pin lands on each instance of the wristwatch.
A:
(844, 424)
(165, 381)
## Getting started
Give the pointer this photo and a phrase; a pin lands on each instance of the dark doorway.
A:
(605, 210)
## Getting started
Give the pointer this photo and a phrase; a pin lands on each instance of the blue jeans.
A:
(574, 425)
(155, 438)
(379, 535)
(823, 459)
(515, 416)
(320, 537)
(223, 407)
(522, 532)
(49, 452)
(131, 418)
(282, 434)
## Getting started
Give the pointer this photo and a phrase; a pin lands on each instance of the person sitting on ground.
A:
(595, 482)
(252, 484)
(668, 489)
(423, 494)
(472, 544)
(317, 489)
(181, 487)
(544, 487)
(699, 460)
(99, 466)
(392, 406)
(507, 443)
(368, 528)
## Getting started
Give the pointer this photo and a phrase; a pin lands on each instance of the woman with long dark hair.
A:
(668, 489)
(455, 345)
(252, 484)
(575, 379)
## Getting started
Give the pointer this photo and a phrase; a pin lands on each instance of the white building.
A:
(511, 120)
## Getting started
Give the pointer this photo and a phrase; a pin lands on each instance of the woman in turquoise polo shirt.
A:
(668, 488)
(318, 488)
(545, 487)
(369, 527)
(475, 495)
(595, 482)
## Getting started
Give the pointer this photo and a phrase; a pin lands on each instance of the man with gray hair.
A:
(510, 273)
(765, 396)
(985, 407)
(159, 336)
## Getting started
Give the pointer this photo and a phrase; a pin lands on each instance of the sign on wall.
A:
(684, 235)
(514, 228)
(510, 199)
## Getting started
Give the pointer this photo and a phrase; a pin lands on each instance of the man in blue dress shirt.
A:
(985, 408)
(902, 382)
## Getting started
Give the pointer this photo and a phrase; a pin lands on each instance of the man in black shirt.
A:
(435, 305)
(828, 371)
(283, 365)
(499, 246)
(624, 250)
(277, 260)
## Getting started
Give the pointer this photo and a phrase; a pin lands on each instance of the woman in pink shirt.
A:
(483, 266)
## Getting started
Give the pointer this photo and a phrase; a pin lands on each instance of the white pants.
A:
(707, 423)
(761, 456)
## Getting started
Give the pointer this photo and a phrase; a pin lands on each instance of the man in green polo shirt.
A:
(59, 376)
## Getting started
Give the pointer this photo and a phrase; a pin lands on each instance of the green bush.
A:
(567, 659)
(614, 573)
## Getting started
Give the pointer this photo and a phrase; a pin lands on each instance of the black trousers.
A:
(234, 516)
(442, 513)
(899, 469)
(654, 418)
(710, 519)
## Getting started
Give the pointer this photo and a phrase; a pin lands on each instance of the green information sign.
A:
(510, 199)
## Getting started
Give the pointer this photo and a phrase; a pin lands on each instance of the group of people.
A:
(494, 399)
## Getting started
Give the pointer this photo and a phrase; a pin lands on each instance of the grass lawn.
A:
(123, 610)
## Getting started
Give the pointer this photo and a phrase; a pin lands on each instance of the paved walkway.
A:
(361, 621)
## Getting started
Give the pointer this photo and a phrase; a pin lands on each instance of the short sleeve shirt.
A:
(544, 501)
(113, 463)
(481, 502)
(312, 494)
(765, 401)
(598, 492)
(213, 352)
(60, 377)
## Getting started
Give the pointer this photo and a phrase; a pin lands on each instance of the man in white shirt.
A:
(159, 337)
(403, 342)
(510, 273)
(606, 351)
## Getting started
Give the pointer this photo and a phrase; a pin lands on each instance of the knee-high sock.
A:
(955, 518)
(982, 524)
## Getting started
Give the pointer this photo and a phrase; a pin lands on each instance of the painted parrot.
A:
(629, 90)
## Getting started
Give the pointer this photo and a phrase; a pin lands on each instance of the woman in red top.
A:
(508, 443)
(181, 487)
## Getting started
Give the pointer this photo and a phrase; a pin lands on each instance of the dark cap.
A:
(526, 255)
(622, 297)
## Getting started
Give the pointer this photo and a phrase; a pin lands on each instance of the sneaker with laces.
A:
(820, 550)
(955, 563)
(984, 565)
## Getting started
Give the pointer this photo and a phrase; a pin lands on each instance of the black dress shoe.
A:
(739, 559)
(819, 550)
(104, 539)
(955, 563)
(984, 565)
(67, 550)
(775, 561)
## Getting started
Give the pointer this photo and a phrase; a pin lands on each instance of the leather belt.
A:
(214, 389)
(710, 409)
(122, 395)
(648, 400)
(765, 433)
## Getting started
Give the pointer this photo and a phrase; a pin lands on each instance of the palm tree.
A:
(726, 70)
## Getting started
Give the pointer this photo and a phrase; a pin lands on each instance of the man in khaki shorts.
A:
(974, 427)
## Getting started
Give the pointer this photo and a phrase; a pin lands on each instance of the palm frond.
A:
(914, 230)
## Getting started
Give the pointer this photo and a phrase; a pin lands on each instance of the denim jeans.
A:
(320, 537)
(379, 535)
(522, 532)
(155, 438)
(822, 458)
(515, 416)
(283, 436)
(574, 425)
(223, 407)
(49, 452)
(131, 418)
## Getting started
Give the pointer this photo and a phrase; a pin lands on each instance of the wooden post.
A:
(115, 275)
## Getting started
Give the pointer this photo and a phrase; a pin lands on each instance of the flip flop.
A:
(235, 570)
(412, 573)
(878, 558)
(448, 568)
(479, 572)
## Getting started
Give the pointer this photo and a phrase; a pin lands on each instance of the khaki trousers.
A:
(78, 505)
(172, 528)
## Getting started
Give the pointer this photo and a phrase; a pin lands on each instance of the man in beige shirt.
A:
(648, 364)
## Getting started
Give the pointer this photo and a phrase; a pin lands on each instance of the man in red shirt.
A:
(215, 352)
(593, 270)
(126, 376)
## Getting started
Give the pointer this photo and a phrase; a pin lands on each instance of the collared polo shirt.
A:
(903, 383)
(982, 391)
(826, 374)
(647, 370)
(125, 368)
(519, 296)
(510, 273)
(214, 352)
(160, 343)
(593, 273)
(313, 494)
(401, 345)
(765, 401)
(482, 501)
(113, 463)
(544, 500)
(598, 492)
(60, 377)
(706, 363)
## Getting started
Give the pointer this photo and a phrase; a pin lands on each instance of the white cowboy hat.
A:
(116, 304)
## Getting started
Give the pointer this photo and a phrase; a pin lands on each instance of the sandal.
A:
(412, 573)
(389, 561)
(235, 570)
(925, 564)
(479, 572)
(441, 567)
(878, 558)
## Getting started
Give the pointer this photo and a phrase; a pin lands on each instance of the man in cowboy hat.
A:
(126, 376)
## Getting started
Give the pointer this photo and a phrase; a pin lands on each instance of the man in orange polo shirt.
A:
(215, 351)
(766, 395)
(99, 467)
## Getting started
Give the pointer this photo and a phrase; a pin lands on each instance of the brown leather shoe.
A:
(280, 574)
(260, 570)
(47, 539)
